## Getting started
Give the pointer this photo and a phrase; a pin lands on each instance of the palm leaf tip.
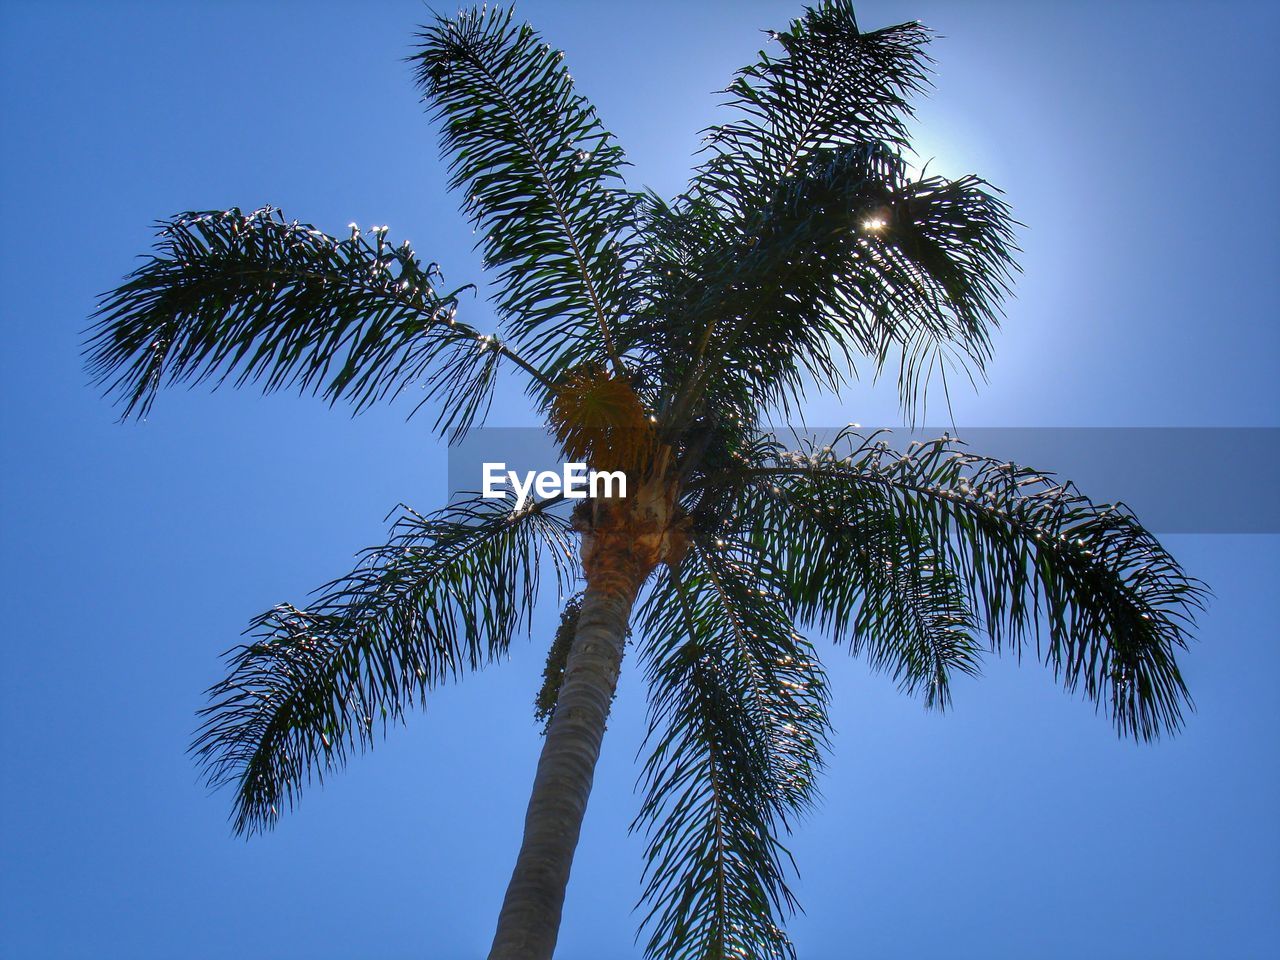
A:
(737, 727)
(803, 246)
(538, 172)
(258, 298)
(314, 687)
(1085, 585)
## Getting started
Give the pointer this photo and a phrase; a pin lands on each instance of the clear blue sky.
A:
(1138, 141)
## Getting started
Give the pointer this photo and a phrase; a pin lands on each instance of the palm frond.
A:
(832, 86)
(856, 573)
(737, 725)
(255, 298)
(805, 242)
(542, 183)
(850, 258)
(1104, 604)
(943, 254)
(445, 595)
(916, 625)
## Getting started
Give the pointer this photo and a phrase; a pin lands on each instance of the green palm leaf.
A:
(445, 595)
(856, 574)
(850, 258)
(805, 242)
(255, 298)
(737, 724)
(1102, 602)
(832, 86)
(542, 183)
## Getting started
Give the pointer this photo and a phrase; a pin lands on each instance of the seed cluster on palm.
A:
(658, 336)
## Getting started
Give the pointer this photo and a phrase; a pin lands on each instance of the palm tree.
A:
(659, 337)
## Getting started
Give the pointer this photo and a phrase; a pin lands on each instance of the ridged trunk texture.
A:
(530, 918)
(623, 540)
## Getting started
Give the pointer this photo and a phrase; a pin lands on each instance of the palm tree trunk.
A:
(530, 918)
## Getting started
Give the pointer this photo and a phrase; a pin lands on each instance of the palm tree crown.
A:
(657, 337)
